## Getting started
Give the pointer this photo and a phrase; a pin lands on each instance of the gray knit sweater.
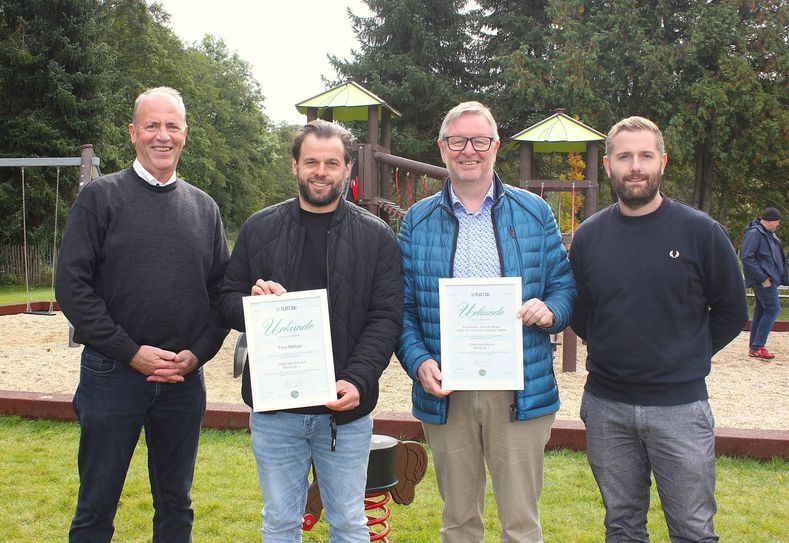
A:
(142, 265)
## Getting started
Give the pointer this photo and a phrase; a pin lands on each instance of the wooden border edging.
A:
(15, 309)
(566, 434)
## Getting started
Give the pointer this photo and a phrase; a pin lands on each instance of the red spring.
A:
(378, 500)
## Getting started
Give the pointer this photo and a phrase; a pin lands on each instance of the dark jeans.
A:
(113, 403)
(766, 308)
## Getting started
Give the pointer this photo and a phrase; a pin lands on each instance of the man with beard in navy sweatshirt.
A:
(660, 292)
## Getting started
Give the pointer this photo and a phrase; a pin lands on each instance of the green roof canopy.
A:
(349, 102)
(559, 134)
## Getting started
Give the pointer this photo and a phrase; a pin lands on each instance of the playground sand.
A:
(744, 392)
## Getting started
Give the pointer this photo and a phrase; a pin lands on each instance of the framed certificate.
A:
(481, 338)
(289, 347)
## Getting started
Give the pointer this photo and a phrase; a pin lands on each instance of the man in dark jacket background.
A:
(320, 240)
(764, 265)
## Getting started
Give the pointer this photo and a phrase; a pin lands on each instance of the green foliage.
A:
(69, 73)
(711, 74)
(38, 493)
(415, 55)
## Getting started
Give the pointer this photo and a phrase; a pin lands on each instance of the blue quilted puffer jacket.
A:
(529, 247)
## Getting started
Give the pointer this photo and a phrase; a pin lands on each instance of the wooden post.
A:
(527, 156)
(328, 114)
(569, 350)
(386, 142)
(592, 167)
(372, 124)
(312, 113)
(87, 171)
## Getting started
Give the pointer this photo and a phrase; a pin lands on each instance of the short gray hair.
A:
(634, 124)
(169, 91)
(468, 108)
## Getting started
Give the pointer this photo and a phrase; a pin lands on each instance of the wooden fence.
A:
(39, 262)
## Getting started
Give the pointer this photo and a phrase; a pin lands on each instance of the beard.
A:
(319, 201)
(636, 197)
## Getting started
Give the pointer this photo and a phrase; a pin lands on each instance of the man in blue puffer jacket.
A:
(479, 227)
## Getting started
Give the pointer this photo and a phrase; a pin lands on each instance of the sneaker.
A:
(761, 352)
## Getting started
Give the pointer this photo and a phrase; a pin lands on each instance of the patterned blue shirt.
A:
(476, 254)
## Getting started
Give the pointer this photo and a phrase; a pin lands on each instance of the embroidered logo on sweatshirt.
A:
(673, 253)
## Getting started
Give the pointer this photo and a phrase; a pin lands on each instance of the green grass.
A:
(782, 316)
(39, 485)
(16, 294)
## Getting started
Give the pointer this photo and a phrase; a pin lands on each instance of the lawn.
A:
(17, 294)
(39, 485)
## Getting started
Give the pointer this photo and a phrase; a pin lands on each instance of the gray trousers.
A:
(676, 443)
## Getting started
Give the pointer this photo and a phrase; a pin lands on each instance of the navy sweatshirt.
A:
(142, 265)
(660, 294)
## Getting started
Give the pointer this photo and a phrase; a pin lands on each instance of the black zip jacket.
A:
(365, 288)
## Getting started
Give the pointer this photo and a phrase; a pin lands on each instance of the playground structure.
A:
(558, 133)
(89, 164)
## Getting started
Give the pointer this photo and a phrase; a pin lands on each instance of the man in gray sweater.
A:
(138, 277)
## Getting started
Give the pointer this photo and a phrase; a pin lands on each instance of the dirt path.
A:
(744, 392)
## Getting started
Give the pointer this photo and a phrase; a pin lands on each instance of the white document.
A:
(289, 345)
(481, 338)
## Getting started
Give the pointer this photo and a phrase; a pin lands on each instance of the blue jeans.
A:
(113, 404)
(676, 443)
(766, 309)
(284, 445)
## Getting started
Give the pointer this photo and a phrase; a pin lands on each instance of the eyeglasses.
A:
(458, 143)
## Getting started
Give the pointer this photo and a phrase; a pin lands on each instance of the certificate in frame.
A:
(291, 363)
(481, 338)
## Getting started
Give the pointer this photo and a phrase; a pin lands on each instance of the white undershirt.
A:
(145, 174)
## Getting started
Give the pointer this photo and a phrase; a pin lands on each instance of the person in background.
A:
(765, 268)
(138, 277)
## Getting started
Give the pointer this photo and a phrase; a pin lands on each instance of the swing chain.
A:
(54, 242)
(24, 245)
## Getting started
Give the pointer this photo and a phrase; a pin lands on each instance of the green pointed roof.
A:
(559, 134)
(349, 102)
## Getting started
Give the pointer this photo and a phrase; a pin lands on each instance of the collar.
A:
(457, 204)
(150, 179)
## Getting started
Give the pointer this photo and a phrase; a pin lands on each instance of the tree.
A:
(52, 72)
(415, 56)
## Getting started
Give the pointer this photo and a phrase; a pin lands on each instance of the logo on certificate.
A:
(482, 372)
(294, 394)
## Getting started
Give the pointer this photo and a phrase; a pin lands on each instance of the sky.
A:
(285, 42)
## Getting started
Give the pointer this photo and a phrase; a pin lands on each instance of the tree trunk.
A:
(723, 201)
(702, 191)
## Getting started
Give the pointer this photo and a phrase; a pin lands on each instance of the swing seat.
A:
(40, 312)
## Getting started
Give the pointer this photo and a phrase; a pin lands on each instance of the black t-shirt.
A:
(312, 273)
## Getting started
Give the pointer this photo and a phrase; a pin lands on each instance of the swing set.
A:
(89, 170)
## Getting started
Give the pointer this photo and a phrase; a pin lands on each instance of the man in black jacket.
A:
(320, 241)
(139, 272)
